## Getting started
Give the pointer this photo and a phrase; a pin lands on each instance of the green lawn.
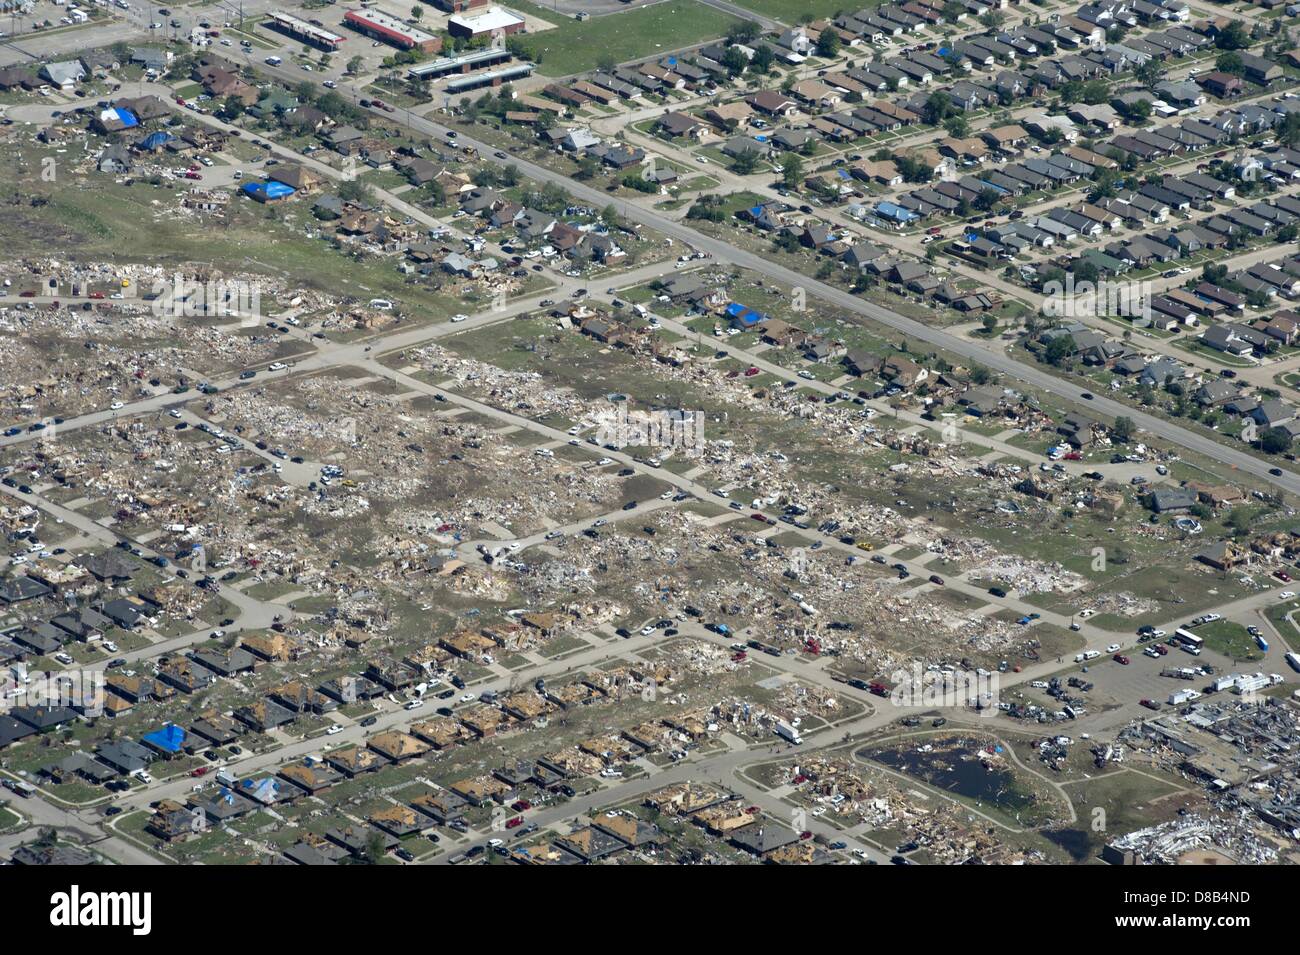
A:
(574, 47)
(1230, 639)
(790, 11)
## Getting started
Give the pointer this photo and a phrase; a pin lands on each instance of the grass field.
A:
(1230, 639)
(790, 11)
(574, 47)
(101, 218)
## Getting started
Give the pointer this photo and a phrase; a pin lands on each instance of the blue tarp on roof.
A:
(267, 190)
(265, 790)
(169, 739)
(155, 140)
(127, 117)
(744, 314)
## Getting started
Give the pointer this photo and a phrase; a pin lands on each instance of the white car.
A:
(334, 728)
(278, 366)
(116, 406)
(1286, 595)
(496, 842)
(459, 318)
(467, 698)
(1112, 648)
(647, 630)
(414, 704)
(110, 646)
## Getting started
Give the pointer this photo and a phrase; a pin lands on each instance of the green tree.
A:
(791, 171)
(1274, 441)
(734, 61)
(938, 107)
(747, 31)
(1058, 349)
(1233, 37)
(744, 163)
(1230, 62)
(1149, 73)
(828, 44)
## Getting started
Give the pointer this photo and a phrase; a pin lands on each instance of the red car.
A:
(515, 822)
(201, 771)
(751, 371)
(96, 294)
(180, 101)
(193, 175)
(1120, 658)
(1160, 648)
(752, 810)
(740, 657)
(805, 835)
(521, 805)
(1283, 576)
(1149, 704)
(758, 517)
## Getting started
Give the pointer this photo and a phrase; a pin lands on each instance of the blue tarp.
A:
(743, 314)
(155, 140)
(126, 116)
(169, 739)
(267, 190)
(265, 790)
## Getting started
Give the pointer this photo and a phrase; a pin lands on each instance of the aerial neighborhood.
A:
(674, 432)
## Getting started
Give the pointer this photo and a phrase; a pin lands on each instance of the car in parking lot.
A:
(1121, 659)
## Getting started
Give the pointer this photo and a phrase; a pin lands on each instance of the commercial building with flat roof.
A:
(494, 20)
(302, 30)
(490, 78)
(381, 26)
(466, 63)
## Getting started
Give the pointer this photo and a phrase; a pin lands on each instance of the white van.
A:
(274, 60)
